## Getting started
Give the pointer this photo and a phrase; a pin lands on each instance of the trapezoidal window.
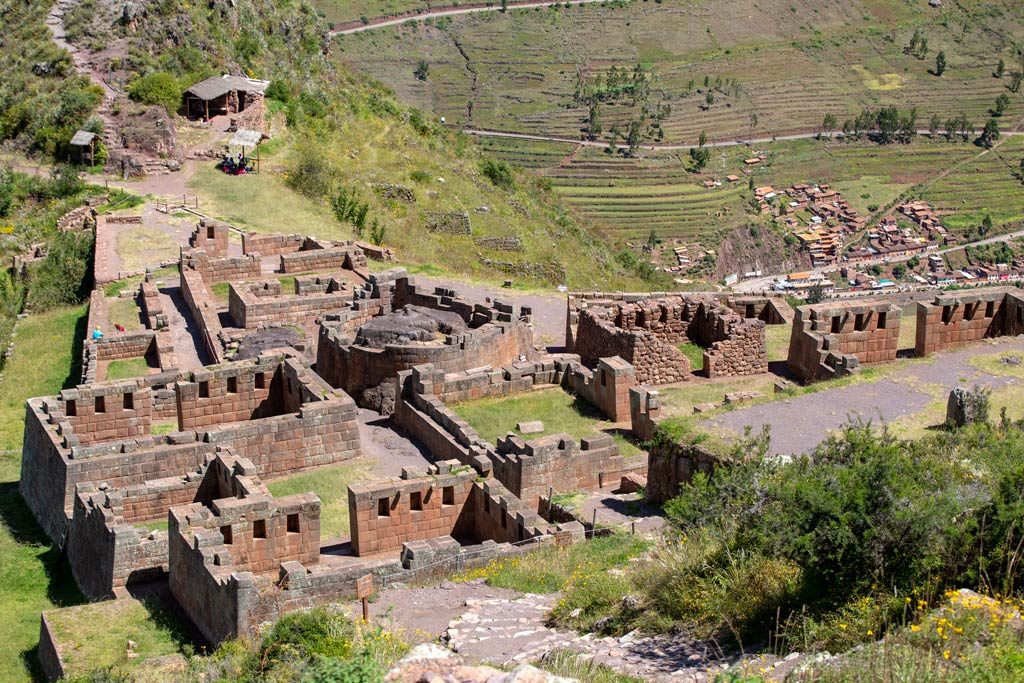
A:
(101, 404)
(947, 314)
(860, 322)
(260, 380)
(204, 390)
(259, 528)
(416, 500)
(232, 385)
(750, 311)
(129, 401)
(990, 309)
(448, 495)
(225, 531)
(383, 507)
(837, 324)
(210, 232)
(71, 408)
(882, 318)
(293, 523)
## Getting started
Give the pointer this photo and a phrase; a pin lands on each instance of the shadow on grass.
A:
(75, 374)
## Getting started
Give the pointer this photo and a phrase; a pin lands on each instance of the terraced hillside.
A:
(772, 67)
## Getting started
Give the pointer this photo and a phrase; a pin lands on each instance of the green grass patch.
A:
(153, 525)
(165, 427)
(124, 312)
(95, 636)
(552, 569)
(121, 200)
(777, 338)
(35, 577)
(560, 412)
(331, 485)
(115, 288)
(695, 354)
(571, 665)
(219, 290)
(570, 500)
(287, 284)
(126, 368)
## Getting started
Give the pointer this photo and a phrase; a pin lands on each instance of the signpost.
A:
(364, 589)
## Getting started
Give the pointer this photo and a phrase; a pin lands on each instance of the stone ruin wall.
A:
(499, 336)
(957, 318)
(211, 236)
(256, 304)
(646, 334)
(833, 339)
(271, 245)
(221, 269)
(203, 312)
(322, 430)
(526, 469)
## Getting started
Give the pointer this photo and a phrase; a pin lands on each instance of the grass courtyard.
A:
(559, 410)
(330, 484)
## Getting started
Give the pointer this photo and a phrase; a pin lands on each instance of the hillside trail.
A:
(450, 10)
(505, 628)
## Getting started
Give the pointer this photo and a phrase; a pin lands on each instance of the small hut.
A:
(220, 95)
(248, 139)
(84, 141)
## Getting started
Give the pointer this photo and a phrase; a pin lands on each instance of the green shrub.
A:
(303, 635)
(160, 88)
(65, 275)
(361, 668)
(498, 172)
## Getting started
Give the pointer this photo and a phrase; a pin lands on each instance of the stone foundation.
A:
(833, 339)
(957, 318)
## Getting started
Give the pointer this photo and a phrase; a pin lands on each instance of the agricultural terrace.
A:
(735, 70)
(656, 192)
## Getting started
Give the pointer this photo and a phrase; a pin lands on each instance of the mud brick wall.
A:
(271, 245)
(211, 236)
(831, 340)
(959, 318)
(107, 412)
(607, 387)
(383, 515)
(249, 310)
(104, 551)
(203, 311)
(529, 468)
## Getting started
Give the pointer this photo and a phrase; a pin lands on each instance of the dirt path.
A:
(382, 22)
(799, 424)
(390, 450)
(188, 344)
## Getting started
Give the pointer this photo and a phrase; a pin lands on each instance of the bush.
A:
(65, 275)
(498, 172)
(359, 669)
(159, 88)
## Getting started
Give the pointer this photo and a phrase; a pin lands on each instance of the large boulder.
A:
(966, 406)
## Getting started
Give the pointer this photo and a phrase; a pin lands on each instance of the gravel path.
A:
(799, 424)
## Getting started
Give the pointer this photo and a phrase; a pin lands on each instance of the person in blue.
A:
(96, 334)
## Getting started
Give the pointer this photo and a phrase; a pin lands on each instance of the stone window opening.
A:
(210, 232)
(204, 390)
(416, 500)
(990, 309)
(293, 523)
(383, 508)
(260, 380)
(232, 385)
(129, 401)
(750, 311)
(837, 324)
(860, 322)
(259, 528)
(604, 378)
(101, 404)
(448, 495)
(882, 319)
(225, 531)
(71, 408)
(947, 314)
(504, 520)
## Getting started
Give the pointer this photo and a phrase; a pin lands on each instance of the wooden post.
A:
(364, 589)
(593, 524)
(207, 103)
(257, 157)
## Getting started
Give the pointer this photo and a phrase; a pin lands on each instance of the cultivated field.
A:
(785, 62)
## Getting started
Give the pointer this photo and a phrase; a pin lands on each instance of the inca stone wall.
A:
(957, 318)
(833, 339)
(271, 245)
(223, 269)
(320, 256)
(211, 236)
(252, 305)
(645, 332)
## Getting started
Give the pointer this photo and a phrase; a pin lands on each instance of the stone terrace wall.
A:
(211, 236)
(385, 514)
(832, 339)
(957, 318)
(607, 386)
(152, 309)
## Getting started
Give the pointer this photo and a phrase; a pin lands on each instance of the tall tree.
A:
(1000, 69)
(989, 135)
(940, 63)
